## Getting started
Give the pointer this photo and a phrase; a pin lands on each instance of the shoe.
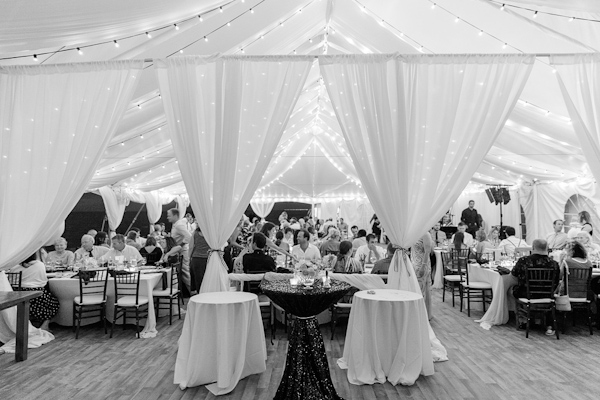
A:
(550, 331)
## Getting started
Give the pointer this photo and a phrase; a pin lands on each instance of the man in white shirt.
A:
(179, 232)
(468, 240)
(343, 227)
(557, 240)
(369, 252)
(511, 242)
(88, 248)
(304, 250)
(437, 235)
(120, 249)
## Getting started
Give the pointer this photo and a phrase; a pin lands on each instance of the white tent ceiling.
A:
(537, 142)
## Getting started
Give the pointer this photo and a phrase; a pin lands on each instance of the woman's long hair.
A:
(459, 240)
(584, 217)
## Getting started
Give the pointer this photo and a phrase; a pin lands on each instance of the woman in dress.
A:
(60, 255)
(102, 239)
(345, 263)
(483, 245)
(151, 252)
(586, 222)
(494, 238)
(376, 228)
(33, 278)
(199, 250)
(420, 258)
(171, 250)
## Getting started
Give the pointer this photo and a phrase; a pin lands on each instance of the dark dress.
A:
(153, 257)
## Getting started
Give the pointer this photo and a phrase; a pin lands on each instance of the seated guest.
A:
(370, 252)
(344, 262)
(88, 248)
(467, 237)
(171, 250)
(494, 237)
(280, 241)
(437, 235)
(354, 231)
(304, 250)
(294, 224)
(60, 255)
(511, 242)
(458, 241)
(586, 240)
(120, 249)
(33, 278)
(132, 240)
(482, 243)
(151, 252)
(314, 237)
(156, 230)
(102, 240)
(258, 261)
(288, 236)
(446, 220)
(538, 259)
(382, 266)
(138, 237)
(92, 233)
(577, 257)
(360, 240)
(331, 245)
(557, 240)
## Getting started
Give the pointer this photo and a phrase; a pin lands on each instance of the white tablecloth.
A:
(387, 338)
(502, 300)
(67, 288)
(222, 341)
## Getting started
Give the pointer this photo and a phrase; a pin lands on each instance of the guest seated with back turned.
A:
(467, 237)
(151, 252)
(331, 245)
(88, 248)
(258, 261)
(360, 240)
(121, 249)
(60, 255)
(383, 266)
(305, 250)
(132, 240)
(344, 262)
(511, 242)
(538, 259)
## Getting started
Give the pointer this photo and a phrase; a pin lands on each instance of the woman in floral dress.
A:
(421, 263)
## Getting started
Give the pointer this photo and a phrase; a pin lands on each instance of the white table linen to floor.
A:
(8, 325)
(66, 289)
(387, 338)
(222, 341)
(502, 300)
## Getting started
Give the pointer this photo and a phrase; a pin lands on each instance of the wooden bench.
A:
(21, 300)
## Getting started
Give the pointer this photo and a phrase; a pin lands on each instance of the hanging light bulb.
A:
(571, 19)
(221, 9)
(79, 51)
(35, 57)
(433, 6)
(205, 39)
(502, 8)
(252, 11)
(200, 18)
(148, 35)
(176, 27)
(535, 14)
(116, 43)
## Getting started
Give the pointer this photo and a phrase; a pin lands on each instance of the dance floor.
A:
(495, 364)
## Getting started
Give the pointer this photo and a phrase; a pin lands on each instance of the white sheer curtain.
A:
(55, 123)
(114, 204)
(226, 116)
(262, 207)
(579, 81)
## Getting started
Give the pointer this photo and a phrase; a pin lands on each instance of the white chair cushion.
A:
(578, 300)
(89, 299)
(453, 278)
(129, 301)
(344, 305)
(164, 292)
(477, 285)
(536, 301)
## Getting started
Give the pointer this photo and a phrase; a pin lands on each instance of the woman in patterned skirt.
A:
(420, 258)
(33, 277)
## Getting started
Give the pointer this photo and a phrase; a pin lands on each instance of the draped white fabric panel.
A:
(329, 209)
(114, 204)
(262, 208)
(153, 206)
(56, 121)
(356, 212)
(226, 116)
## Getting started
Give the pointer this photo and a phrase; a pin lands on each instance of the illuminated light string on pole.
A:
(131, 160)
(122, 142)
(534, 13)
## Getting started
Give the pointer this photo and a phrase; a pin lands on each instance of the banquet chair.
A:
(15, 280)
(342, 307)
(127, 297)
(579, 288)
(474, 291)
(540, 295)
(452, 278)
(267, 307)
(169, 294)
(91, 301)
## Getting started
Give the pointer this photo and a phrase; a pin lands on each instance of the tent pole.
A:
(135, 218)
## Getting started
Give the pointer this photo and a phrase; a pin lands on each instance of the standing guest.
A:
(60, 255)
(369, 252)
(102, 240)
(376, 227)
(302, 223)
(92, 232)
(586, 222)
(318, 225)
(538, 259)
(132, 240)
(258, 261)
(182, 236)
(151, 252)
(511, 242)
(331, 245)
(557, 240)
(467, 237)
(256, 225)
(88, 248)
(361, 239)
(419, 254)
(199, 250)
(354, 231)
(437, 235)
(33, 278)
(470, 218)
(304, 250)
(120, 249)
(294, 224)
(383, 266)
(345, 263)
(343, 227)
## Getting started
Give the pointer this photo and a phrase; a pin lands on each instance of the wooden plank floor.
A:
(495, 364)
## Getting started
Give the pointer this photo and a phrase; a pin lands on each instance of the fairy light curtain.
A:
(226, 116)
(55, 121)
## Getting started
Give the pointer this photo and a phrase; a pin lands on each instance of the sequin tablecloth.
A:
(306, 374)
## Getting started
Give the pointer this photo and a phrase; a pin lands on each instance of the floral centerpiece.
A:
(306, 271)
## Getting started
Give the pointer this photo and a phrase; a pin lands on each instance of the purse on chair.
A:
(563, 302)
